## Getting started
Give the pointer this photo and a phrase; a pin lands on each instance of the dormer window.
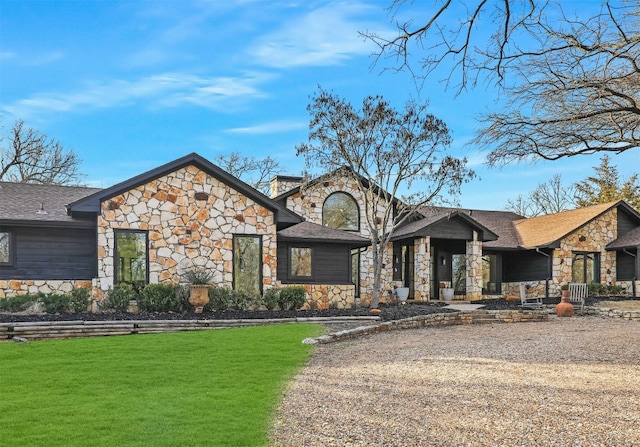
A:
(340, 211)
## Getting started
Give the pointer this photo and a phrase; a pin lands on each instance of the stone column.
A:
(421, 268)
(474, 268)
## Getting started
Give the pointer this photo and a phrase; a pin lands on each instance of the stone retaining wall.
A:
(432, 320)
(48, 330)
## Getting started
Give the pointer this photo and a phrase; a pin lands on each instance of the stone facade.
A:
(191, 218)
(474, 269)
(325, 296)
(592, 237)
(422, 269)
(15, 287)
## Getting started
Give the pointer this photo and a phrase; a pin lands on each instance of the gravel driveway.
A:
(565, 382)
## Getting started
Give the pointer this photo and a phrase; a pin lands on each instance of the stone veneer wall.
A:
(191, 218)
(324, 296)
(14, 287)
(422, 269)
(592, 237)
(308, 204)
(474, 269)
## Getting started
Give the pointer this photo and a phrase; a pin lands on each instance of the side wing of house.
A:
(594, 244)
(186, 215)
(42, 249)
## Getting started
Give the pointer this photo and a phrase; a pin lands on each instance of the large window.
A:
(355, 270)
(340, 211)
(131, 257)
(6, 249)
(490, 274)
(585, 267)
(301, 259)
(247, 264)
(459, 273)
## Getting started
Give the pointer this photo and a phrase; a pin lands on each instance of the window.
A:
(247, 264)
(459, 273)
(340, 211)
(301, 262)
(490, 278)
(6, 248)
(131, 256)
(355, 270)
(585, 267)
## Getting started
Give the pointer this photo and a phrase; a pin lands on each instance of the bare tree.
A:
(571, 84)
(548, 198)
(384, 151)
(256, 173)
(32, 157)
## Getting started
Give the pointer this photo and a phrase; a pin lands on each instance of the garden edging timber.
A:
(73, 329)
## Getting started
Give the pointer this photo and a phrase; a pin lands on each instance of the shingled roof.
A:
(548, 230)
(34, 204)
(312, 232)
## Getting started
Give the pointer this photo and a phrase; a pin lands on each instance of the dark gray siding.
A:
(524, 266)
(331, 263)
(625, 223)
(625, 266)
(52, 253)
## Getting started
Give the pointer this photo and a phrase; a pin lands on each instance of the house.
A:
(190, 214)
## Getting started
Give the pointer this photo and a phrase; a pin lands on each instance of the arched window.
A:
(340, 211)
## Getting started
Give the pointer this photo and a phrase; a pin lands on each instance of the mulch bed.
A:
(388, 312)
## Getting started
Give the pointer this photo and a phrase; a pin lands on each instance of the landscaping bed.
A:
(388, 312)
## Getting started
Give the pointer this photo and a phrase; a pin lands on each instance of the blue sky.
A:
(130, 85)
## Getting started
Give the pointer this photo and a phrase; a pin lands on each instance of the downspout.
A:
(546, 281)
(635, 277)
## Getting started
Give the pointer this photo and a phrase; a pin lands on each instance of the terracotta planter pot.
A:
(198, 296)
(564, 309)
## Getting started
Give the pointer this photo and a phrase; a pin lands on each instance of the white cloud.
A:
(271, 127)
(167, 90)
(324, 36)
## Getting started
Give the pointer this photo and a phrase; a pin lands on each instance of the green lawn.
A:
(210, 388)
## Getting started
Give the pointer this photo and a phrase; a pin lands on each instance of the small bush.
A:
(118, 298)
(240, 300)
(292, 298)
(161, 298)
(605, 290)
(80, 299)
(54, 303)
(219, 299)
(18, 303)
(270, 298)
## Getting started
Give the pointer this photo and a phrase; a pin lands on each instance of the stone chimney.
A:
(283, 183)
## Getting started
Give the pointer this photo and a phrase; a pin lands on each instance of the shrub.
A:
(80, 299)
(219, 299)
(119, 296)
(54, 303)
(270, 298)
(18, 303)
(292, 298)
(605, 290)
(241, 300)
(161, 298)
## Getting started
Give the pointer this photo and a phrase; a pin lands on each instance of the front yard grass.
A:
(209, 388)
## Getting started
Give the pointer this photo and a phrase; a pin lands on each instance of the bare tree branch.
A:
(257, 173)
(383, 151)
(571, 83)
(32, 157)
